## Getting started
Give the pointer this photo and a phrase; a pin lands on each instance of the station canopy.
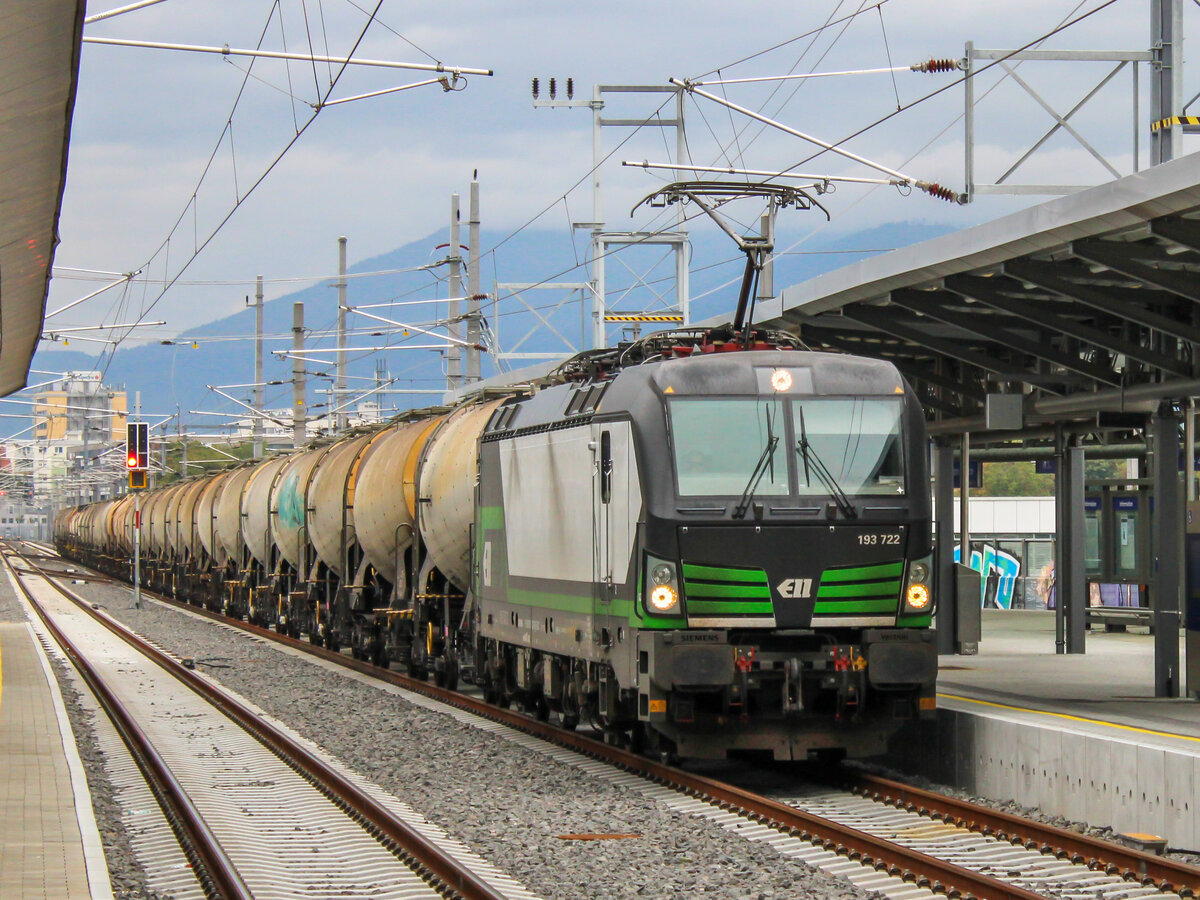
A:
(39, 69)
(1085, 303)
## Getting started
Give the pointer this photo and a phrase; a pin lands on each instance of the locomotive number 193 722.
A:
(878, 539)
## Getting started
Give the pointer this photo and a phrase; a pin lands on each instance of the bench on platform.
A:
(1117, 618)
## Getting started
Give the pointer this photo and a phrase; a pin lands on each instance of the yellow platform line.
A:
(1070, 718)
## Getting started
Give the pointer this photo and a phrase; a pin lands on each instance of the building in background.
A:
(80, 409)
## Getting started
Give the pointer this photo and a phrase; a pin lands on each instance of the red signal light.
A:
(131, 461)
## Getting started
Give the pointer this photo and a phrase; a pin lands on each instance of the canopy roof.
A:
(1087, 302)
(39, 69)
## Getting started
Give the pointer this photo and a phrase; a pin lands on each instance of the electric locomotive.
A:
(710, 551)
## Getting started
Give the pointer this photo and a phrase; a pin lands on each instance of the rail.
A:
(444, 872)
(922, 869)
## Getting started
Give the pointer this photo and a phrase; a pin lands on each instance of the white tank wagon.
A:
(448, 471)
(229, 515)
(120, 527)
(96, 523)
(292, 555)
(255, 510)
(205, 518)
(288, 508)
(258, 559)
(330, 515)
(331, 519)
(385, 504)
(154, 522)
(187, 545)
(171, 520)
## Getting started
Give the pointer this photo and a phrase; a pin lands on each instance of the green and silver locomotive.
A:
(710, 551)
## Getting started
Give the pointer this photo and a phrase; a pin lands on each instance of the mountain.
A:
(177, 374)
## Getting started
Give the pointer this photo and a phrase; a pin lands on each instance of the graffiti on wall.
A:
(999, 571)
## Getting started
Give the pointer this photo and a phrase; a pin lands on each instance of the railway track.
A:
(878, 833)
(297, 825)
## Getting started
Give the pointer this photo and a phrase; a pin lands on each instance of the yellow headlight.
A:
(781, 380)
(664, 598)
(917, 596)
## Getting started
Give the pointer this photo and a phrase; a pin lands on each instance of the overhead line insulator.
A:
(934, 66)
(942, 193)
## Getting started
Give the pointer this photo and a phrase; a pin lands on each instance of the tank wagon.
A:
(697, 547)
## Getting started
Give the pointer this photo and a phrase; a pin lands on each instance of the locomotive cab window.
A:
(718, 444)
(856, 438)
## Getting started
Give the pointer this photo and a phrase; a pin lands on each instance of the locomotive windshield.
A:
(858, 439)
(719, 442)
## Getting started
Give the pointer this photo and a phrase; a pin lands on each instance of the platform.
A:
(49, 844)
(1078, 735)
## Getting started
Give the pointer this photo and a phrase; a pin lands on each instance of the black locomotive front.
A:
(785, 596)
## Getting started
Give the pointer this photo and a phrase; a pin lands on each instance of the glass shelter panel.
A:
(1127, 562)
(1093, 556)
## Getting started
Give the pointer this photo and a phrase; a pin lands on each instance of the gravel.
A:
(509, 804)
(126, 874)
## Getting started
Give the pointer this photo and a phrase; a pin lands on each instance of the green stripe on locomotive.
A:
(859, 590)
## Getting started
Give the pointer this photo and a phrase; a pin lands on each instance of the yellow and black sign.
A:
(1174, 120)
(137, 480)
(619, 317)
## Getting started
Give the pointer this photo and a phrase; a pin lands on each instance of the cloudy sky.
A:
(381, 170)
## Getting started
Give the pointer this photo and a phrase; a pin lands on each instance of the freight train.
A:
(696, 543)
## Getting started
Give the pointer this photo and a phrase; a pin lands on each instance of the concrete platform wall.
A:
(1129, 779)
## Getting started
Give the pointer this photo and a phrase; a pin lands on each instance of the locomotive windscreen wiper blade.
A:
(807, 455)
(766, 460)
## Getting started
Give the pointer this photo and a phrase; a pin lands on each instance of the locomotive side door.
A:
(616, 505)
(602, 518)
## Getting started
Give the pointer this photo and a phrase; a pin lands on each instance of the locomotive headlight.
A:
(662, 595)
(664, 598)
(662, 574)
(918, 598)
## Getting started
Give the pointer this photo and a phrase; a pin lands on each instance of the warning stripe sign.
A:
(1175, 120)
(617, 317)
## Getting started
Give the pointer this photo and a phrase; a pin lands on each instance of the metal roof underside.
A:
(1087, 302)
(39, 69)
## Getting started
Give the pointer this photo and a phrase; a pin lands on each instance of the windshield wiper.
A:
(766, 461)
(808, 454)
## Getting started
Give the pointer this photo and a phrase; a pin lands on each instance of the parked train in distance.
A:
(700, 542)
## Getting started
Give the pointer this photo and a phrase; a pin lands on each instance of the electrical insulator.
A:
(535, 89)
(942, 193)
(570, 88)
(553, 88)
(935, 65)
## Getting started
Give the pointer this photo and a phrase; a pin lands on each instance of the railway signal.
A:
(137, 454)
(137, 446)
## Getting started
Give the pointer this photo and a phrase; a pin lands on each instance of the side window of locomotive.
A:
(858, 439)
(606, 466)
(718, 444)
